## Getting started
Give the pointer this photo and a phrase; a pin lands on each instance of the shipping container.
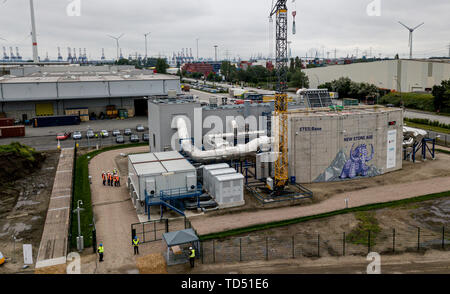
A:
(51, 121)
(6, 122)
(12, 131)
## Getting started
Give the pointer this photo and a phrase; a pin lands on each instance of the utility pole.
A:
(80, 242)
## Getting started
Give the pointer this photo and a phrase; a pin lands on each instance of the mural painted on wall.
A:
(356, 164)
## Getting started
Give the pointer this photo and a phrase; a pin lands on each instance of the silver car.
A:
(140, 128)
(77, 135)
(90, 134)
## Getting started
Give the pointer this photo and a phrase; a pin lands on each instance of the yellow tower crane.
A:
(281, 99)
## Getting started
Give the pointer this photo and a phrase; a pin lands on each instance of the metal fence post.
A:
(267, 248)
(167, 225)
(214, 251)
(393, 240)
(368, 243)
(154, 229)
(418, 239)
(143, 232)
(443, 237)
(318, 245)
(343, 244)
(240, 249)
(293, 246)
(201, 250)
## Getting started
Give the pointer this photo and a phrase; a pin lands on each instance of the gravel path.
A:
(114, 213)
(207, 225)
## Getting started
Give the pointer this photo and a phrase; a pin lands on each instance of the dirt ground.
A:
(23, 208)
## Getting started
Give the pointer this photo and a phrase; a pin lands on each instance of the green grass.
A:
(427, 127)
(443, 151)
(82, 191)
(323, 215)
(367, 221)
(19, 149)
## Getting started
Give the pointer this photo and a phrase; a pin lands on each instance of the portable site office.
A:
(156, 172)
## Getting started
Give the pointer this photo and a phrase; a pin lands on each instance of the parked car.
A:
(90, 134)
(140, 128)
(120, 139)
(62, 136)
(127, 132)
(145, 137)
(116, 132)
(77, 135)
(203, 204)
(104, 133)
(134, 138)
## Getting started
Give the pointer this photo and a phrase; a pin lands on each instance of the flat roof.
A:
(222, 171)
(169, 155)
(216, 166)
(348, 110)
(144, 157)
(149, 168)
(179, 165)
(230, 177)
(71, 78)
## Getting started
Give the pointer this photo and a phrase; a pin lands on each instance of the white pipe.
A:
(33, 34)
(224, 152)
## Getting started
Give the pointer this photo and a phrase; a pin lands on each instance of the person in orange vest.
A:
(115, 180)
(109, 179)
(118, 180)
(104, 178)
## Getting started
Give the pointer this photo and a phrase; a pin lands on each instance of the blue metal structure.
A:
(171, 198)
(423, 148)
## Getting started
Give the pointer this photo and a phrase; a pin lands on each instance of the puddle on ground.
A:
(436, 213)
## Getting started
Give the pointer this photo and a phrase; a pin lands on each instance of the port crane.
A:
(281, 100)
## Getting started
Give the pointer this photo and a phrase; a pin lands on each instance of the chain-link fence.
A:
(250, 248)
(441, 139)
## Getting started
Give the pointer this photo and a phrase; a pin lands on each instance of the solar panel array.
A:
(318, 98)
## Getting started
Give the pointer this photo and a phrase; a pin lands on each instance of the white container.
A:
(229, 190)
(210, 167)
(210, 185)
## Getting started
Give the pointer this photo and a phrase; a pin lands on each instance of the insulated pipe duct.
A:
(222, 153)
(412, 135)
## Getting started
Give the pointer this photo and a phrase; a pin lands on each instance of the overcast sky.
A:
(239, 26)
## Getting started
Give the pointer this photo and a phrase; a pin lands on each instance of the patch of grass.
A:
(368, 207)
(82, 191)
(20, 150)
(367, 221)
(443, 151)
(427, 127)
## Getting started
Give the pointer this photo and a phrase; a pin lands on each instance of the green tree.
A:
(441, 94)
(299, 79)
(161, 66)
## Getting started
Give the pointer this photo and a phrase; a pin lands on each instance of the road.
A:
(418, 114)
(432, 262)
(43, 139)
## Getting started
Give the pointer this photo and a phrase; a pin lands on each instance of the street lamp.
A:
(80, 240)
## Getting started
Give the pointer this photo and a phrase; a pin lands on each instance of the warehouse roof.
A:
(222, 171)
(67, 78)
(348, 110)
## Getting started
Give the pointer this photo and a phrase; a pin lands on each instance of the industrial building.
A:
(399, 75)
(324, 144)
(44, 91)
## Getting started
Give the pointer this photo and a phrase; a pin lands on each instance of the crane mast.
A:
(281, 101)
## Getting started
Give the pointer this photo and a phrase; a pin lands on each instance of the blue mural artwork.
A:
(356, 165)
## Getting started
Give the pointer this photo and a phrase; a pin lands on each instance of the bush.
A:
(428, 122)
(409, 100)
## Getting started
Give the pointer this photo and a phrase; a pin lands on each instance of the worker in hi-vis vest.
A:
(104, 178)
(100, 252)
(136, 245)
(192, 256)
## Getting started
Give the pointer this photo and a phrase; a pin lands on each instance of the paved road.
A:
(43, 139)
(418, 114)
(433, 262)
(206, 225)
(114, 213)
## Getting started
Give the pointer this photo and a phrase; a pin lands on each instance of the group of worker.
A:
(136, 242)
(111, 178)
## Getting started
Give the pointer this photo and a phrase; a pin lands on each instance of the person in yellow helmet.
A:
(2, 259)
(191, 256)
(100, 251)
(136, 245)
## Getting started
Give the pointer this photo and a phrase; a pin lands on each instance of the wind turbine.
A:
(411, 30)
(117, 43)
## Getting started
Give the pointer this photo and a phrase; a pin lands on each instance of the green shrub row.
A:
(409, 100)
(428, 122)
